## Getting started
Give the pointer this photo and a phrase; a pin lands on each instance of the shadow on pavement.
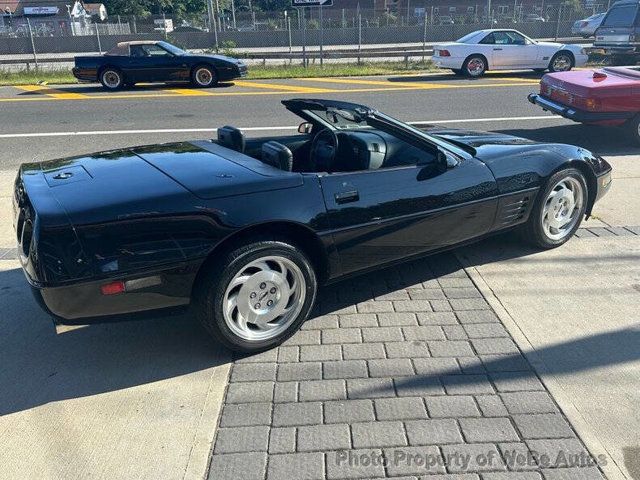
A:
(447, 75)
(84, 88)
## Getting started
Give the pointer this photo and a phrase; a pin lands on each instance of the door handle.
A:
(497, 49)
(346, 197)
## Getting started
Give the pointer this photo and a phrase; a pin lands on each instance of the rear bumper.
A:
(614, 49)
(85, 74)
(578, 115)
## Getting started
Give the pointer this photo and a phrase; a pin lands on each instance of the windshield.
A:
(171, 48)
(623, 16)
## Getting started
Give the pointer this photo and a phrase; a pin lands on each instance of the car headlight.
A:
(583, 51)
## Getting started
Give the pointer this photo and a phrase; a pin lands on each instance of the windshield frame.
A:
(172, 49)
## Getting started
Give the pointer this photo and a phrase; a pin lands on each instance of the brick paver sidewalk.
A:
(407, 371)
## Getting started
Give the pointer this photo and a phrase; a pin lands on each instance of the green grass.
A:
(256, 72)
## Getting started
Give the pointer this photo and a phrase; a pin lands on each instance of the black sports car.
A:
(245, 229)
(151, 61)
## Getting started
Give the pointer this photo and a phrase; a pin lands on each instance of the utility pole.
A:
(233, 13)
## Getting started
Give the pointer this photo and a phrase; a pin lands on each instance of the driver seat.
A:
(232, 138)
(277, 155)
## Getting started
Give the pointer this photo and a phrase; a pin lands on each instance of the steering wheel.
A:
(324, 148)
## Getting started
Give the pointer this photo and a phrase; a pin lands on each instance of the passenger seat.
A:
(277, 155)
(232, 138)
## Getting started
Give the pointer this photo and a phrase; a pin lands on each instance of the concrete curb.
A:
(584, 431)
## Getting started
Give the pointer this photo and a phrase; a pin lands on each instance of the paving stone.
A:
(324, 437)
(290, 414)
(304, 337)
(363, 351)
(288, 354)
(395, 295)
(354, 464)
(341, 335)
(491, 406)
(591, 473)
(436, 366)
(454, 332)
(633, 229)
(321, 322)
(249, 392)
(375, 307)
(349, 411)
(245, 414)
(412, 306)
(301, 466)
(393, 367)
(459, 304)
(505, 363)
(397, 319)
(553, 453)
(517, 456)
(282, 440)
(253, 372)
(437, 318)
(485, 346)
(488, 430)
(357, 320)
(454, 406)
(452, 476)
(601, 232)
(417, 386)
(382, 334)
(315, 390)
(231, 466)
(427, 294)
(370, 388)
(584, 233)
(427, 332)
(345, 369)
(451, 348)
(413, 460)
(544, 425)
(407, 349)
(320, 353)
(511, 476)
(378, 434)
(433, 432)
(300, 371)
(262, 357)
(620, 231)
(482, 457)
(464, 292)
(241, 439)
(338, 308)
(285, 392)
(477, 316)
(455, 283)
(400, 408)
(516, 381)
(467, 384)
(441, 305)
(485, 330)
(528, 402)
(471, 365)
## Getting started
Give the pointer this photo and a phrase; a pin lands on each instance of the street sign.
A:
(312, 3)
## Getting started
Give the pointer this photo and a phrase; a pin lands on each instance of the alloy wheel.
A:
(111, 79)
(204, 77)
(562, 208)
(561, 63)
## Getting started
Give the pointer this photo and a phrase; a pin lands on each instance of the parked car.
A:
(497, 49)
(245, 229)
(534, 17)
(619, 32)
(610, 96)
(587, 28)
(151, 61)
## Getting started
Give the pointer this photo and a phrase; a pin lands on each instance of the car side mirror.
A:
(305, 127)
(445, 161)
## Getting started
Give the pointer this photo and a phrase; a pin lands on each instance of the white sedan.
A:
(484, 50)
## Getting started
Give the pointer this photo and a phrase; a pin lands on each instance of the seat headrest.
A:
(277, 155)
(232, 138)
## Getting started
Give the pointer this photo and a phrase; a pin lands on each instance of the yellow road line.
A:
(355, 81)
(52, 92)
(188, 92)
(277, 86)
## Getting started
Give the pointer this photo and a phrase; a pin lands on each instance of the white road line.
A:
(253, 129)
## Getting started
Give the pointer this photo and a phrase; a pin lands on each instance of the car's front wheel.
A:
(257, 295)
(475, 66)
(633, 129)
(558, 210)
(204, 76)
(111, 78)
(561, 62)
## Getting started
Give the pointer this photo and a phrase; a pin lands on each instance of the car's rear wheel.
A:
(257, 295)
(561, 62)
(111, 78)
(633, 129)
(475, 66)
(558, 210)
(204, 76)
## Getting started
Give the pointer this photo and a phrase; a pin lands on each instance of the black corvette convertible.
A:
(245, 229)
(150, 61)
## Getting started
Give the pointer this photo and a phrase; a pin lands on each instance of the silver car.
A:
(587, 28)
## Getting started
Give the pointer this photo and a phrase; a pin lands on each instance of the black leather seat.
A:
(277, 155)
(232, 138)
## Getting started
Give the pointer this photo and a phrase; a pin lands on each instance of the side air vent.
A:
(513, 210)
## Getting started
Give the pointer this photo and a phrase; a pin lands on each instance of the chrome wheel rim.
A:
(562, 63)
(562, 208)
(204, 76)
(111, 79)
(263, 298)
(475, 67)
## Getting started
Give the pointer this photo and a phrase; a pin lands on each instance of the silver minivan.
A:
(619, 32)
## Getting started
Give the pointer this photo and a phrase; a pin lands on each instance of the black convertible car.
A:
(245, 229)
(151, 61)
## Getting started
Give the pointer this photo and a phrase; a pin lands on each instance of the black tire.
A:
(533, 231)
(568, 56)
(475, 66)
(633, 129)
(209, 295)
(204, 76)
(111, 78)
(457, 72)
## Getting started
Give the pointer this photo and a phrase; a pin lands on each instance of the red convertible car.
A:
(609, 96)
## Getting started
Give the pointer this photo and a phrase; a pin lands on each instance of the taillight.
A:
(112, 288)
(591, 104)
(545, 89)
(444, 53)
